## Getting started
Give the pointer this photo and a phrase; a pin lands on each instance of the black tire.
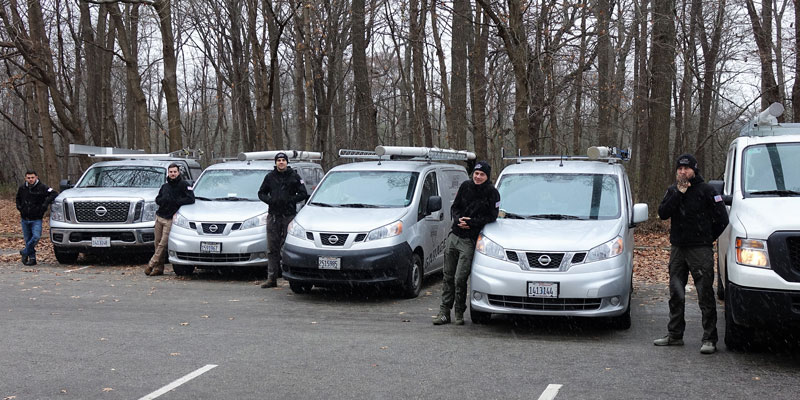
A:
(737, 337)
(623, 321)
(65, 257)
(720, 286)
(479, 317)
(300, 288)
(413, 282)
(182, 270)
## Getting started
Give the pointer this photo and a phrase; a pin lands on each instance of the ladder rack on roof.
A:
(361, 154)
(408, 153)
(766, 124)
(595, 153)
(270, 155)
(121, 153)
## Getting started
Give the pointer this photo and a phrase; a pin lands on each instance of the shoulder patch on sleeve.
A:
(497, 205)
(190, 188)
(717, 198)
(49, 189)
(302, 182)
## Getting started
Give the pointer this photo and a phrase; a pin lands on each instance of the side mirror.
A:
(727, 199)
(434, 204)
(640, 211)
(65, 184)
(719, 186)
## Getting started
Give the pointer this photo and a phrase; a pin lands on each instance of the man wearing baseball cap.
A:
(698, 217)
(281, 189)
(477, 203)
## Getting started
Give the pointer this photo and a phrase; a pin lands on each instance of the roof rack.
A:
(408, 153)
(121, 153)
(595, 153)
(766, 124)
(361, 154)
(270, 155)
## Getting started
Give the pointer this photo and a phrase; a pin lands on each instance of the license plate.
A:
(210, 247)
(543, 289)
(101, 242)
(334, 263)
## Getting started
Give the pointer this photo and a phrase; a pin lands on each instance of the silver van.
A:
(226, 225)
(563, 242)
(375, 222)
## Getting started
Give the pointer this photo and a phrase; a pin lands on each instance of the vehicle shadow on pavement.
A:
(543, 327)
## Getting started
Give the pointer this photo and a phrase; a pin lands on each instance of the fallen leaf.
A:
(313, 322)
(401, 313)
(233, 300)
(107, 389)
(384, 347)
(230, 319)
(174, 354)
(756, 378)
(102, 339)
(406, 320)
(184, 323)
(204, 316)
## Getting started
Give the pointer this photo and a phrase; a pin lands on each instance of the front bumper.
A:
(385, 265)
(596, 289)
(80, 239)
(763, 307)
(247, 248)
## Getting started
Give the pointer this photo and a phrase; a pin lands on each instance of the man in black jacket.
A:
(698, 217)
(172, 195)
(282, 189)
(476, 204)
(33, 198)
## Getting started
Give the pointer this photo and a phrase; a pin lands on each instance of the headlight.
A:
(752, 252)
(296, 230)
(149, 213)
(57, 211)
(611, 248)
(489, 248)
(258, 220)
(180, 221)
(386, 231)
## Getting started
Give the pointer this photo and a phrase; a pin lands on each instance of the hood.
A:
(222, 211)
(552, 235)
(761, 216)
(315, 218)
(94, 193)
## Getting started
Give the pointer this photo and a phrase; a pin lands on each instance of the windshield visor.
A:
(134, 177)
(221, 184)
(771, 170)
(384, 189)
(559, 196)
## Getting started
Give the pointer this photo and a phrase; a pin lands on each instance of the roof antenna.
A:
(561, 162)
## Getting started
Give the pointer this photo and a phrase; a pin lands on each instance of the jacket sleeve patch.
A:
(49, 189)
(717, 198)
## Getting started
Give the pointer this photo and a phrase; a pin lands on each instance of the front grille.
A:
(309, 236)
(793, 244)
(360, 237)
(219, 258)
(127, 237)
(236, 226)
(101, 211)
(213, 229)
(338, 239)
(534, 260)
(512, 256)
(544, 304)
(578, 258)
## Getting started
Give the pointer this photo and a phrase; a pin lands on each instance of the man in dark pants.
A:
(282, 189)
(33, 198)
(476, 204)
(172, 195)
(698, 218)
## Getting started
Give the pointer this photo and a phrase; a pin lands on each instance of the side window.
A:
(429, 188)
(184, 172)
(729, 167)
(195, 172)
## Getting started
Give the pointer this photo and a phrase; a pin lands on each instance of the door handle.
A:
(441, 216)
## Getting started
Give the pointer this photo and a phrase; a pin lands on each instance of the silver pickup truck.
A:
(112, 207)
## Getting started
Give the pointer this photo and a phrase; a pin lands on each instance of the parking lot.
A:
(97, 332)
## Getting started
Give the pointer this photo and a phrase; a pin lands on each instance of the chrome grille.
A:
(213, 229)
(538, 260)
(101, 211)
(333, 239)
(544, 304)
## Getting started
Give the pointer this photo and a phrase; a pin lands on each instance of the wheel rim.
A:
(415, 276)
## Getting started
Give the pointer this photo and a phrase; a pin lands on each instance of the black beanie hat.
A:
(687, 160)
(281, 155)
(484, 167)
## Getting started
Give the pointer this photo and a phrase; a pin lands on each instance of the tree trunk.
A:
(367, 135)
(478, 82)
(762, 30)
(577, 119)
(796, 85)
(170, 81)
(602, 11)
(422, 132)
(458, 80)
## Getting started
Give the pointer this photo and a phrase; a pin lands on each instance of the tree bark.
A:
(367, 134)
(478, 82)
(762, 30)
(458, 80)
(170, 81)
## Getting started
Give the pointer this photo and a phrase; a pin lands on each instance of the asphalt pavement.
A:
(110, 332)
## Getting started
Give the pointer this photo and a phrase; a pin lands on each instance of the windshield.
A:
(229, 184)
(124, 176)
(771, 170)
(559, 196)
(366, 189)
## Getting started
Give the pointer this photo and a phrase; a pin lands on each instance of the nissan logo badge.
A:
(333, 239)
(213, 228)
(100, 211)
(544, 260)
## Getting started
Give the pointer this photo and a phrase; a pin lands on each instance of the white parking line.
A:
(77, 269)
(178, 382)
(551, 392)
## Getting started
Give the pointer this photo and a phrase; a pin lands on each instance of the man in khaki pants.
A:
(173, 194)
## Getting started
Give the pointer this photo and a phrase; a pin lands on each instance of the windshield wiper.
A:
(359, 205)
(202, 198)
(315, 203)
(514, 216)
(229, 198)
(552, 216)
(781, 193)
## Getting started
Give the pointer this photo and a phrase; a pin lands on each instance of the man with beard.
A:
(281, 189)
(476, 204)
(172, 195)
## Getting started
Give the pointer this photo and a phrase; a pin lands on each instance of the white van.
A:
(759, 251)
(375, 222)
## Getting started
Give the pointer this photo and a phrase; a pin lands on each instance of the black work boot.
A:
(442, 318)
(24, 257)
(270, 283)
